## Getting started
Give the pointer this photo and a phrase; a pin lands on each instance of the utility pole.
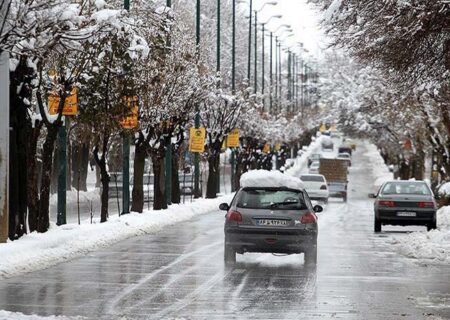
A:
(4, 145)
(249, 62)
(197, 191)
(125, 157)
(263, 62)
(233, 87)
(218, 75)
(168, 146)
(256, 52)
(271, 74)
(62, 173)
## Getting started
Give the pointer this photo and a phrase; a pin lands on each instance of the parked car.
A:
(314, 168)
(345, 156)
(265, 216)
(404, 203)
(316, 186)
(313, 157)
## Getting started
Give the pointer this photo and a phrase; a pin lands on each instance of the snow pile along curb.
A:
(433, 246)
(379, 169)
(302, 161)
(6, 315)
(37, 251)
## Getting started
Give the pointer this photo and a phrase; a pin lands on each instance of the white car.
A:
(314, 168)
(316, 186)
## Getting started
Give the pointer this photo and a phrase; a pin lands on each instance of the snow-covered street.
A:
(179, 273)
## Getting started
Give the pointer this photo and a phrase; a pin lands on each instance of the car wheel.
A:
(311, 257)
(377, 225)
(431, 226)
(345, 198)
(229, 255)
(325, 201)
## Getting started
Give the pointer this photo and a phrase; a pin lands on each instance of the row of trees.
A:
(395, 87)
(110, 55)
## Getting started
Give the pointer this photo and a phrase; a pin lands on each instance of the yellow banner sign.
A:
(233, 139)
(323, 128)
(70, 104)
(130, 121)
(266, 148)
(197, 138)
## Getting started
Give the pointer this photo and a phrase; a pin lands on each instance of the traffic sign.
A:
(70, 104)
(197, 137)
(233, 139)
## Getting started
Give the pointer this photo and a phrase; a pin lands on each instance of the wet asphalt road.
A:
(179, 274)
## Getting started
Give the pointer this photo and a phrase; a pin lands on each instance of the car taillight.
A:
(425, 204)
(385, 203)
(323, 187)
(308, 218)
(234, 216)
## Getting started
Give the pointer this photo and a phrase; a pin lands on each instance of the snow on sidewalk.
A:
(432, 246)
(38, 251)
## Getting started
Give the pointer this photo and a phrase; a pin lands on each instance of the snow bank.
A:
(6, 315)
(302, 162)
(37, 251)
(379, 169)
(431, 246)
(271, 179)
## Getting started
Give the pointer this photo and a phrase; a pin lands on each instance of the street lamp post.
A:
(233, 86)
(256, 52)
(197, 191)
(249, 62)
(263, 73)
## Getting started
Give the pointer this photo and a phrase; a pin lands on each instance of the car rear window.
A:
(405, 188)
(312, 178)
(275, 199)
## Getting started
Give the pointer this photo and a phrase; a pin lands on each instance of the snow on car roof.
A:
(270, 179)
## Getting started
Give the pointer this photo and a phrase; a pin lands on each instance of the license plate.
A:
(269, 222)
(406, 214)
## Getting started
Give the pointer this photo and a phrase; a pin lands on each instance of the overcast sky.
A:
(303, 18)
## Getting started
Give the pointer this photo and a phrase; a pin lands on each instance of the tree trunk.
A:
(211, 187)
(138, 178)
(176, 193)
(20, 89)
(33, 177)
(159, 185)
(43, 220)
(104, 177)
(105, 192)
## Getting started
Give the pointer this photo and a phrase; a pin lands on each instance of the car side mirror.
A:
(224, 207)
(318, 208)
(372, 196)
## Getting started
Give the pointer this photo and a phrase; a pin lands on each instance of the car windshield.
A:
(276, 199)
(405, 188)
(312, 178)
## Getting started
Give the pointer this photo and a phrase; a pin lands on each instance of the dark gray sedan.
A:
(276, 220)
(405, 203)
